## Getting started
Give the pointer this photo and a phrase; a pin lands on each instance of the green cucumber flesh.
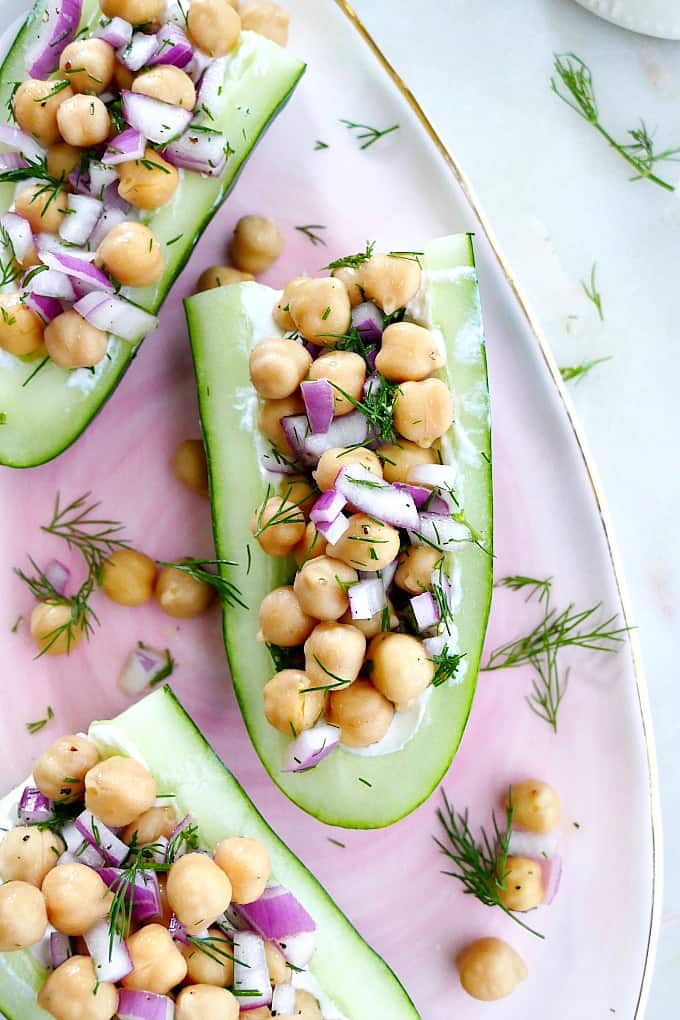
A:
(158, 730)
(346, 789)
(43, 418)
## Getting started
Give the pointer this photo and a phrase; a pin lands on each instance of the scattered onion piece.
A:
(144, 667)
(310, 747)
(34, 807)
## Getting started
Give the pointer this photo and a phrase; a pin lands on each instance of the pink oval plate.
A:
(599, 933)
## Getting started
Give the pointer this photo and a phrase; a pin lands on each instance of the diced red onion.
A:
(144, 893)
(298, 949)
(437, 476)
(129, 144)
(310, 747)
(437, 645)
(183, 824)
(319, 398)
(283, 1000)
(77, 227)
(438, 530)
(200, 60)
(60, 948)
(426, 612)
(89, 855)
(211, 92)
(46, 308)
(199, 149)
(172, 47)
(51, 243)
(101, 177)
(72, 838)
(369, 494)
(158, 121)
(19, 232)
(58, 574)
(57, 27)
(108, 951)
(51, 284)
(178, 931)
(278, 466)
(277, 913)
(367, 319)
(296, 429)
(159, 851)
(77, 269)
(102, 838)
(115, 315)
(109, 219)
(116, 33)
(327, 507)
(418, 493)
(137, 1005)
(333, 531)
(387, 573)
(137, 52)
(539, 845)
(144, 665)
(112, 198)
(11, 161)
(348, 430)
(552, 874)
(79, 179)
(250, 969)
(34, 807)
(366, 599)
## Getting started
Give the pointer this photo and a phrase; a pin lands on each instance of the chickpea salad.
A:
(127, 127)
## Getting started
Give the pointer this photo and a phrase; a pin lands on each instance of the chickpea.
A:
(334, 651)
(523, 886)
(123, 77)
(310, 545)
(369, 628)
(352, 281)
(214, 26)
(190, 467)
(536, 806)
(118, 790)
(216, 969)
(261, 1013)
(21, 330)
(321, 587)
(158, 963)
(180, 595)
(76, 898)
(70, 757)
(423, 411)
(83, 120)
(490, 969)
(279, 971)
(168, 83)
(73, 992)
(416, 564)
(201, 1001)
(408, 352)
(300, 490)
(278, 525)
(62, 159)
(27, 853)
(147, 183)
(198, 891)
(320, 308)
(221, 276)
(366, 544)
(72, 342)
(35, 109)
(128, 577)
(281, 313)
(256, 245)
(332, 461)
(23, 918)
(345, 371)
(282, 620)
(401, 669)
(267, 19)
(269, 420)
(278, 366)
(132, 254)
(389, 281)
(36, 206)
(49, 629)
(246, 864)
(362, 713)
(137, 12)
(88, 65)
(398, 459)
(306, 1006)
(285, 704)
(151, 825)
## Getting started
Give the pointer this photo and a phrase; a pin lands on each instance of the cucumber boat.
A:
(159, 734)
(44, 413)
(382, 783)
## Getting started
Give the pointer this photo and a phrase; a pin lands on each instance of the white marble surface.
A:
(558, 200)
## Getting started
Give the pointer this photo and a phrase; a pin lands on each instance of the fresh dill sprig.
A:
(228, 593)
(9, 105)
(518, 582)
(40, 724)
(366, 134)
(410, 256)
(353, 261)
(338, 681)
(288, 513)
(14, 629)
(576, 77)
(39, 367)
(283, 658)
(319, 145)
(446, 666)
(592, 293)
(571, 373)
(94, 537)
(352, 341)
(36, 168)
(548, 687)
(309, 231)
(377, 406)
(212, 946)
(480, 864)
(82, 617)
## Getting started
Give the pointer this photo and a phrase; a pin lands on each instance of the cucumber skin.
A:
(56, 443)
